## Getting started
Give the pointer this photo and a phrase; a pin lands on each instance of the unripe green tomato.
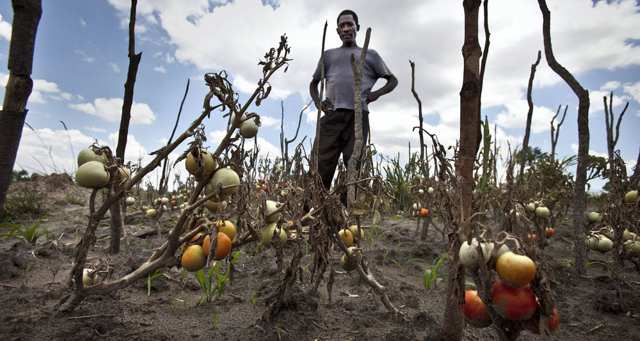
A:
(227, 178)
(632, 247)
(271, 207)
(92, 174)
(88, 154)
(631, 197)
(594, 217)
(249, 128)
(542, 212)
(531, 207)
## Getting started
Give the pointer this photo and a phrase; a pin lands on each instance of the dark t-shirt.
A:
(339, 75)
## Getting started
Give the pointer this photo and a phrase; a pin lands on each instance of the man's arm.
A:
(391, 84)
(315, 96)
(313, 91)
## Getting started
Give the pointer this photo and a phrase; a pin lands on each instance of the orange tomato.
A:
(516, 304)
(346, 236)
(193, 258)
(206, 244)
(223, 246)
(475, 310)
(515, 270)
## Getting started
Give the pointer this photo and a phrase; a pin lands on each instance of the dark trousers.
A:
(337, 136)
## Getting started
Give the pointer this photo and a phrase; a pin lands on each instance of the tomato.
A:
(346, 236)
(249, 128)
(227, 228)
(223, 246)
(193, 258)
(208, 164)
(515, 270)
(542, 212)
(227, 179)
(475, 311)
(631, 196)
(92, 174)
(270, 211)
(516, 304)
(354, 231)
(469, 256)
(549, 232)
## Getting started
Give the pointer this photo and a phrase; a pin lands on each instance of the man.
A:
(337, 125)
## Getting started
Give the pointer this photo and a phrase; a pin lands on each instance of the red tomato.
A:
(475, 310)
(516, 304)
(549, 232)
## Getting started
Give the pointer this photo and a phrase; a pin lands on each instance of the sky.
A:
(80, 67)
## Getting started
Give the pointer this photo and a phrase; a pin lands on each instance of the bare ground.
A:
(33, 279)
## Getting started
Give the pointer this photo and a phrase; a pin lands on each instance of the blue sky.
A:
(81, 61)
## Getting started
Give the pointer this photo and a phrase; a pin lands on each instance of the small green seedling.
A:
(430, 276)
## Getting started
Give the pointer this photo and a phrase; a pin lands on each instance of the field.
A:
(33, 280)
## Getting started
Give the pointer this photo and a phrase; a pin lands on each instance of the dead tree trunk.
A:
(134, 61)
(579, 199)
(634, 181)
(616, 192)
(527, 130)
(555, 130)
(469, 136)
(354, 164)
(424, 166)
(26, 16)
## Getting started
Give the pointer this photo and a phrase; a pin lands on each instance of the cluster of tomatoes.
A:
(194, 256)
(511, 295)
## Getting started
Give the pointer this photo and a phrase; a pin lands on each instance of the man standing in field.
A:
(337, 125)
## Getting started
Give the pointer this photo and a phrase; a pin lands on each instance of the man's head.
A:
(347, 26)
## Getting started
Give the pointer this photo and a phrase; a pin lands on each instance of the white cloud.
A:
(43, 90)
(610, 85)
(268, 121)
(47, 150)
(515, 116)
(134, 149)
(5, 29)
(110, 110)
(633, 90)
(595, 38)
(114, 67)
(160, 69)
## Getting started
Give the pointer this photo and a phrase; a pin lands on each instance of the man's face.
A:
(347, 28)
